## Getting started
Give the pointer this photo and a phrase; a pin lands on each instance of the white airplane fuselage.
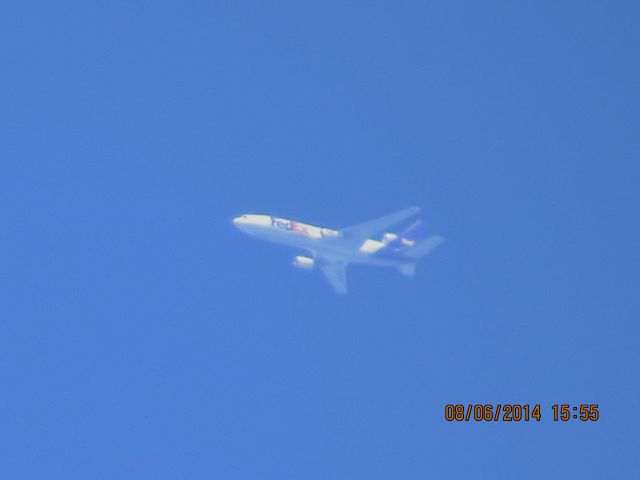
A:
(319, 241)
(332, 250)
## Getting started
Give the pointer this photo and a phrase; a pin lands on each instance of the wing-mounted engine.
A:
(388, 238)
(303, 262)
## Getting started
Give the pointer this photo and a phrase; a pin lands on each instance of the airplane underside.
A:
(333, 250)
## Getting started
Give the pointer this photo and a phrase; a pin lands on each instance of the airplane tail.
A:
(423, 248)
(414, 233)
(409, 238)
(412, 244)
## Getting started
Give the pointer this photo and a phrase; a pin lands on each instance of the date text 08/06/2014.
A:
(515, 412)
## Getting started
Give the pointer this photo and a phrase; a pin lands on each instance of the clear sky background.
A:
(142, 336)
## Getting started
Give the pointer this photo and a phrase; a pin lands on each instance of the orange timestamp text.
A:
(515, 412)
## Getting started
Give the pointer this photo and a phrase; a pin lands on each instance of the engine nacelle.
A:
(389, 237)
(306, 263)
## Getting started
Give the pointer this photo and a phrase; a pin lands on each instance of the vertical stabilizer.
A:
(424, 247)
(415, 233)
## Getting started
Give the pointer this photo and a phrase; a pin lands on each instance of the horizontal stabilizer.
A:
(407, 269)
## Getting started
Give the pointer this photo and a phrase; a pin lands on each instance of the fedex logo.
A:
(289, 225)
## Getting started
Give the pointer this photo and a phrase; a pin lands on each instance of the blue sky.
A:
(143, 337)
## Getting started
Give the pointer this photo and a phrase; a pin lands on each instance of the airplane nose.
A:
(239, 220)
(251, 220)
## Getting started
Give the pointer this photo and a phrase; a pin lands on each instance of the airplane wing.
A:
(362, 231)
(337, 275)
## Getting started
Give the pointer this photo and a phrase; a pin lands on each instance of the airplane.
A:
(332, 250)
